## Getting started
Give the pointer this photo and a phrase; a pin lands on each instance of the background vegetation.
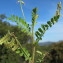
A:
(54, 52)
(6, 55)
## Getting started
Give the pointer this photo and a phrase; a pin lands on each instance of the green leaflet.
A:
(56, 17)
(38, 33)
(21, 54)
(40, 30)
(40, 38)
(4, 39)
(52, 20)
(49, 23)
(18, 51)
(46, 26)
(14, 48)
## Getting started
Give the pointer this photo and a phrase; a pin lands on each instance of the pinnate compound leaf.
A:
(46, 26)
(21, 23)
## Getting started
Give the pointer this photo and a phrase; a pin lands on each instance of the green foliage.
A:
(8, 56)
(34, 16)
(45, 27)
(5, 26)
(21, 23)
(11, 42)
(41, 56)
(55, 55)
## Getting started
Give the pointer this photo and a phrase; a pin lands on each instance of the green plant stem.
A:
(33, 54)
(33, 46)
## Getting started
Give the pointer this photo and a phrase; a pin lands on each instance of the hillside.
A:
(46, 43)
(55, 55)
